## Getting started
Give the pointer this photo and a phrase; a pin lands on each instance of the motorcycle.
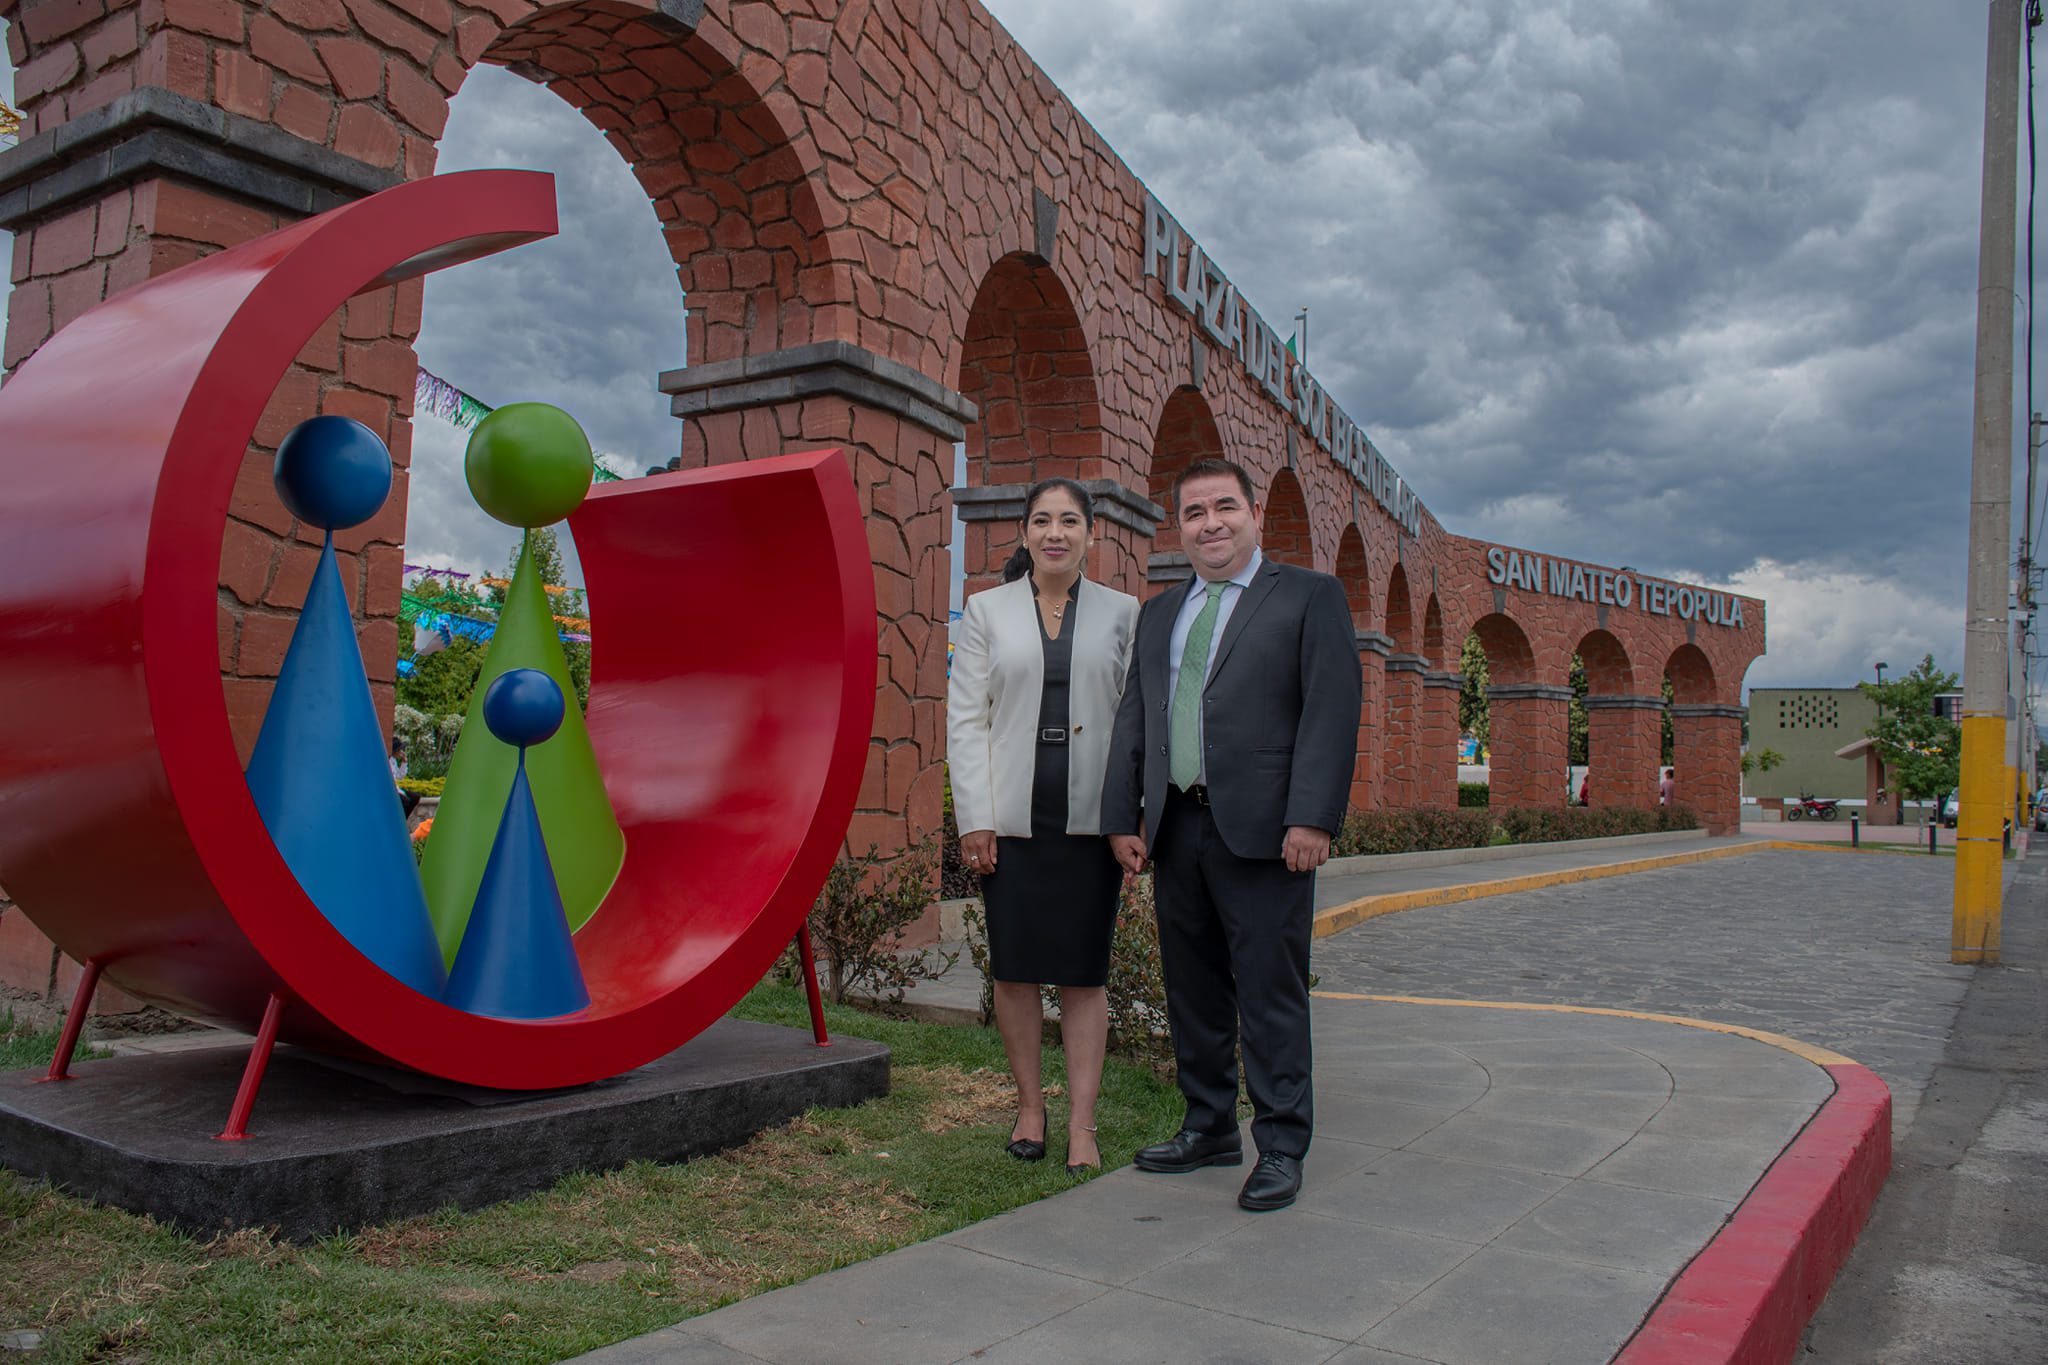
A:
(1812, 807)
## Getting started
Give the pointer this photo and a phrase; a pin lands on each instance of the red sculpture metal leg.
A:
(810, 961)
(81, 1005)
(252, 1074)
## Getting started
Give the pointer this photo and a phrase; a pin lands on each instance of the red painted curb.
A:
(1745, 1299)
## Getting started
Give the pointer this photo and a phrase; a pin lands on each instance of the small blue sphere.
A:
(332, 472)
(523, 707)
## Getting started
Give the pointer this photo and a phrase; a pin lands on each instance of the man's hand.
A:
(1305, 848)
(1130, 851)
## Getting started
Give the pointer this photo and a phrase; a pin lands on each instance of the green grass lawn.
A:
(595, 1259)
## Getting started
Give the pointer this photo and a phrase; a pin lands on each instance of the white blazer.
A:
(992, 705)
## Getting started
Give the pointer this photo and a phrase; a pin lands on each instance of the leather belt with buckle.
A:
(1052, 734)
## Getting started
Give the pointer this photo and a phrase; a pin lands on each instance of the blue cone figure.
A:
(320, 777)
(516, 960)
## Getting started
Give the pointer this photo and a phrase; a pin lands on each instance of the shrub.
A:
(858, 920)
(423, 786)
(429, 740)
(1553, 824)
(1410, 831)
(1137, 983)
(955, 881)
(1474, 794)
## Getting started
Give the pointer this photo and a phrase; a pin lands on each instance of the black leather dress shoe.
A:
(1273, 1183)
(1189, 1150)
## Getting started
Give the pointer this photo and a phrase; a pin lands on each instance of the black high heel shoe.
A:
(1082, 1168)
(1027, 1149)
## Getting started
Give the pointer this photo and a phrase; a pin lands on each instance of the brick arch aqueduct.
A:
(894, 233)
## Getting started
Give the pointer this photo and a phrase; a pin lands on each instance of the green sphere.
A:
(529, 464)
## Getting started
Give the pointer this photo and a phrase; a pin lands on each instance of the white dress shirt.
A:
(1183, 623)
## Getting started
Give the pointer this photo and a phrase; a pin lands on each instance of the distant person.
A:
(406, 800)
(1667, 787)
(1038, 667)
(1586, 788)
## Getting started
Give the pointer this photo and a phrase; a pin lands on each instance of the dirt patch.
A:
(405, 1243)
(965, 1099)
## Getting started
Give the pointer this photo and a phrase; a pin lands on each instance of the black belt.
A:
(1052, 734)
(1199, 793)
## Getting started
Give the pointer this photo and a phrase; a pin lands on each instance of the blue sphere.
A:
(332, 472)
(523, 707)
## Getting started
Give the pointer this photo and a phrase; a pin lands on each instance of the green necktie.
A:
(1184, 763)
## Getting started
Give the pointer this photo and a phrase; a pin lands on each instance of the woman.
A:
(1038, 668)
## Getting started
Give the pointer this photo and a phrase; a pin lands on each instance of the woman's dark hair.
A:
(1019, 562)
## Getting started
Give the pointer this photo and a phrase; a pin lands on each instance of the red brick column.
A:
(175, 145)
(1436, 758)
(1399, 740)
(1625, 741)
(1368, 773)
(898, 429)
(1530, 743)
(1706, 750)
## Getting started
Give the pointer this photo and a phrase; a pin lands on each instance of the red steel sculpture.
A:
(732, 740)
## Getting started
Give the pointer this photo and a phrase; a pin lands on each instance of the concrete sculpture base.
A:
(335, 1144)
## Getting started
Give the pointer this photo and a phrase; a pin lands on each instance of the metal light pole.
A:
(1974, 928)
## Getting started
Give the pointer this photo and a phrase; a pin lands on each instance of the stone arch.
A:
(1186, 432)
(1400, 616)
(1286, 536)
(1606, 661)
(1706, 742)
(1436, 756)
(1355, 573)
(1691, 674)
(1527, 719)
(1400, 741)
(730, 181)
(1624, 732)
(1509, 657)
(1025, 365)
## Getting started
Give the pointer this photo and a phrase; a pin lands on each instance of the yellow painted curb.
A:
(1819, 1056)
(1341, 917)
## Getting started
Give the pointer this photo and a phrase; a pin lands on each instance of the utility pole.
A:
(1981, 807)
(2020, 747)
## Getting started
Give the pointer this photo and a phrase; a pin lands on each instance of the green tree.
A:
(1923, 752)
(1670, 696)
(1760, 761)
(1472, 710)
(1577, 728)
(442, 681)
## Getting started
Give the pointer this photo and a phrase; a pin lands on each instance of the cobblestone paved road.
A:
(1844, 950)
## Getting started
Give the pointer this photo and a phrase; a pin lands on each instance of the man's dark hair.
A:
(1208, 467)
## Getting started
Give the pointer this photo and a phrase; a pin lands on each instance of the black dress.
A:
(1052, 898)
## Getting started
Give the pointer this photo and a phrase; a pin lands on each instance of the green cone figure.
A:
(582, 832)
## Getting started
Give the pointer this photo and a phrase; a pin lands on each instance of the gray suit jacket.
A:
(1279, 714)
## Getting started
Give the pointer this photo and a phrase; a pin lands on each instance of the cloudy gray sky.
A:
(1688, 287)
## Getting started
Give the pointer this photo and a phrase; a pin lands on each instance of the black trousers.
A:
(1234, 941)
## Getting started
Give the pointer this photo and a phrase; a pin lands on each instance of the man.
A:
(1667, 786)
(1230, 765)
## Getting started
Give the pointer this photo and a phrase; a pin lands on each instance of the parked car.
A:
(1948, 811)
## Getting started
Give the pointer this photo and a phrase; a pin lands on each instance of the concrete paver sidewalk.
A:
(1485, 1184)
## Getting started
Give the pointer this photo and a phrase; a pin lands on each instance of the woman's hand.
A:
(978, 850)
